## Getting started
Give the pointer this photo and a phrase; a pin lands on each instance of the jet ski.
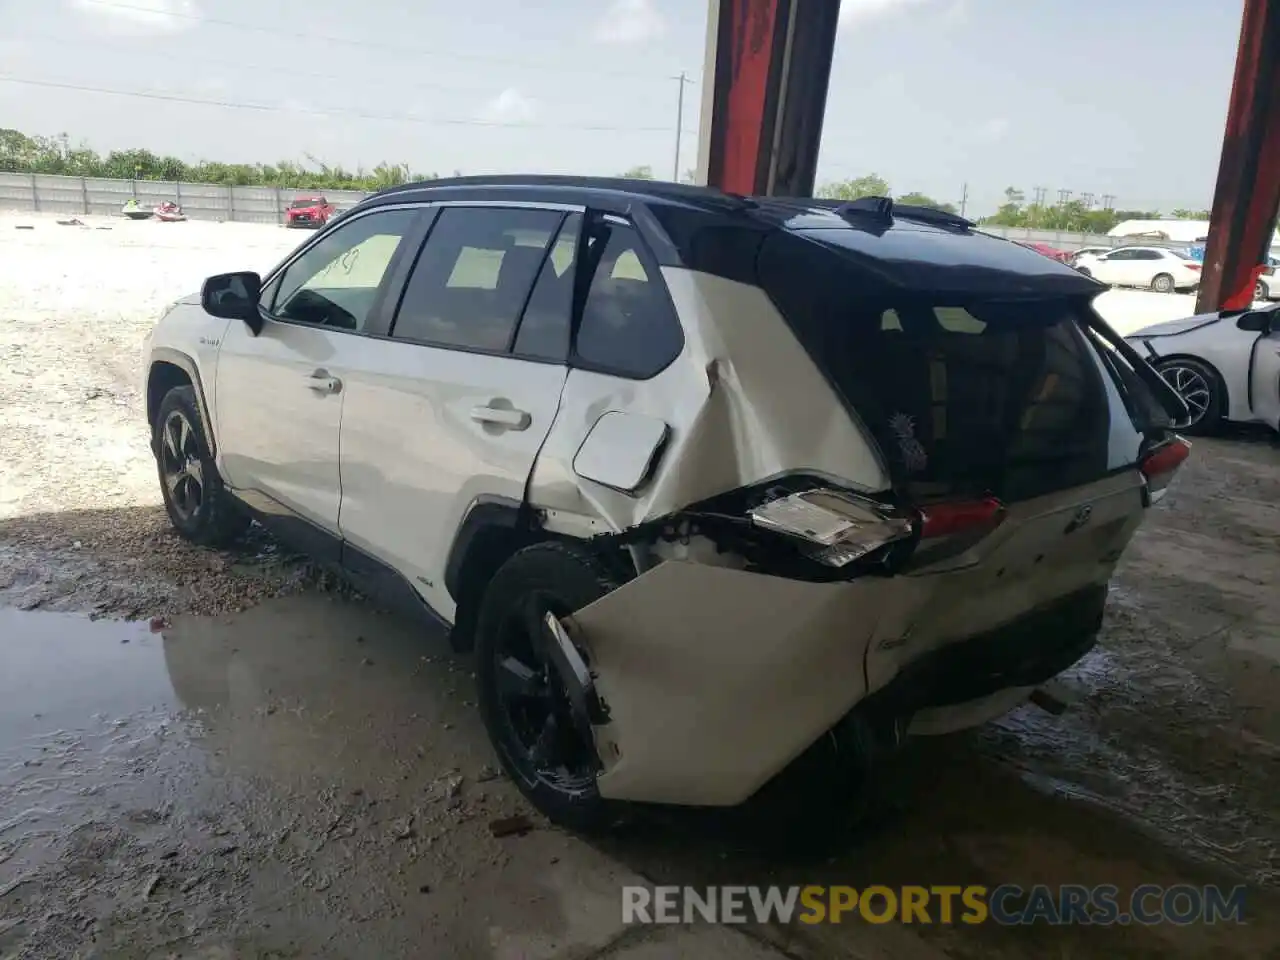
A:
(169, 212)
(135, 212)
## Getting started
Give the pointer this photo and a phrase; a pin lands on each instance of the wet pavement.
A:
(306, 779)
(309, 778)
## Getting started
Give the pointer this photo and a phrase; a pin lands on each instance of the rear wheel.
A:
(1200, 389)
(198, 505)
(1259, 291)
(1162, 283)
(544, 745)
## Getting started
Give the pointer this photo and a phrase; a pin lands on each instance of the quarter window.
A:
(629, 326)
(336, 282)
(474, 275)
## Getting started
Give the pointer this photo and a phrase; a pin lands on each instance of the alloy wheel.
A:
(181, 466)
(1191, 385)
(535, 705)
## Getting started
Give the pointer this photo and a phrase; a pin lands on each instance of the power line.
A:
(286, 71)
(332, 111)
(369, 44)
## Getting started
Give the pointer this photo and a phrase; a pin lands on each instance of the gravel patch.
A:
(81, 526)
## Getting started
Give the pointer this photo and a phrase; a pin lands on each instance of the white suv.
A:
(701, 479)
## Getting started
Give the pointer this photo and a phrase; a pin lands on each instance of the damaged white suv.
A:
(708, 483)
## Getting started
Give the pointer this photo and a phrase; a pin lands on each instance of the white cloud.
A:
(141, 17)
(630, 21)
(510, 106)
(994, 129)
(861, 11)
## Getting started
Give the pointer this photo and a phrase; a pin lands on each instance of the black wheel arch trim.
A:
(187, 365)
(486, 512)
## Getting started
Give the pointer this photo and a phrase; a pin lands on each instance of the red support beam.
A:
(767, 72)
(1247, 196)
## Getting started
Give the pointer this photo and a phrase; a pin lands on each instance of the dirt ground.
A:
(282, 772)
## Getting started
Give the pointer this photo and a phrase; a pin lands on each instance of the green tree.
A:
(871, 185)
(1184, 214)
(639, 173)
(923, 200)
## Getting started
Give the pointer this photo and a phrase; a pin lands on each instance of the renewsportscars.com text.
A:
(1008, 905)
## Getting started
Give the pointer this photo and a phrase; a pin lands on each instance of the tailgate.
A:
(1046, 548)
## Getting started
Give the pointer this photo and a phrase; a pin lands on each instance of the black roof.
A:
(905, 247)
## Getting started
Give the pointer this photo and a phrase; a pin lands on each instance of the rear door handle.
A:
(502, 417)
(321, 382)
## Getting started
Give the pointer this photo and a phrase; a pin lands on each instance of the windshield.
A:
(304, 202)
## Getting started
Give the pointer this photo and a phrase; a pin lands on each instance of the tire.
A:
(546, 576)
(198, 505)
(1162, 283)
(1260, 291)
(1191, 380)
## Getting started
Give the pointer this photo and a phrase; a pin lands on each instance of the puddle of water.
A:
(62, 670)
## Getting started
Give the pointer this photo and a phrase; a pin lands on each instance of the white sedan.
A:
(1225, 366)
(1155, 268)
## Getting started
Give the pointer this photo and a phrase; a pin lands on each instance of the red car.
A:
(308, 211)
(1053, 253)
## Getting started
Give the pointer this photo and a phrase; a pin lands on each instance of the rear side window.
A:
(544, 328)
(473, 277)
(629, 326)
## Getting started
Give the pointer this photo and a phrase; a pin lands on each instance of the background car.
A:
(1083, 252)
(1225, 366)
(1156, 268)
(1053, 253)
(309, 211)
(1268, 285)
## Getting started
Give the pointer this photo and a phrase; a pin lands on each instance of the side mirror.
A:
(234, 296)
(1256, 321)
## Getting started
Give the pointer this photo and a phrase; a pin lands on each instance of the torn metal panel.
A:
(715, 679)
(731, 422)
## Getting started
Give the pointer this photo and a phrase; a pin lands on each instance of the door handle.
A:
(321, 382)
(502, 417)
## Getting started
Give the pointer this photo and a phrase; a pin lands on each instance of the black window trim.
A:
(376, 322)
(649, 261)
(564, 209)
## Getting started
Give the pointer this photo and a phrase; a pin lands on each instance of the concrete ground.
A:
(280, 771)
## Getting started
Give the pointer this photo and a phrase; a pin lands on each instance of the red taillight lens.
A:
(1193, 266)
(964, 516)
(1160, 465)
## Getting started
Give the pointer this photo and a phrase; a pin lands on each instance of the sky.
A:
(1119, 97)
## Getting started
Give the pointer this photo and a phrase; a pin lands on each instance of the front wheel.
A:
(198, 505)
(543, 742)
(1200, 389)
(1162, 283)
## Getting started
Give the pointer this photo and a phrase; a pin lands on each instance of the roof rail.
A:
(657, 189)
(881, 207)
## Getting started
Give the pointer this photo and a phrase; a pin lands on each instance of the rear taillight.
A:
(1193, 266)
(1159, 466)
(962, 516)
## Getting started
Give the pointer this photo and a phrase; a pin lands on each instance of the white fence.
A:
(43, 193)
(211, 201)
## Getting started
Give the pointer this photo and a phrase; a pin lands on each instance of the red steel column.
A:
(1247, 196)
(765, 91)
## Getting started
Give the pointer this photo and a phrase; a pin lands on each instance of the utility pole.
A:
(1063, 197)
(1037, 203)
(1087, 200)
(681, 80)
(1108, 201)
(964, 199)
